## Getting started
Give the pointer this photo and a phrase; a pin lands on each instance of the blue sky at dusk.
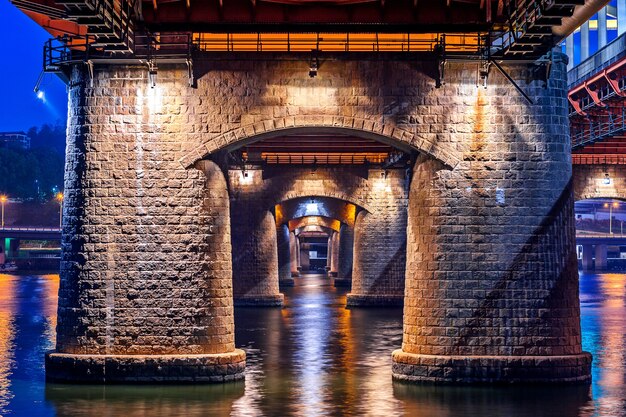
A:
(21, 51)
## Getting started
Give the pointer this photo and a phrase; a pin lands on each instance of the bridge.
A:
(11, 250)
(212, 144)
(31, 233)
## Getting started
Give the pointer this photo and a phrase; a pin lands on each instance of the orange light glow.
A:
(332, 42)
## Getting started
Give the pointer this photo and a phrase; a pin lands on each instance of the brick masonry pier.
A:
(161, 236)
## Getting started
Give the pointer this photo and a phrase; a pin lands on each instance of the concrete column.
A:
(284, 257)
(255, 255)
(334, 255)
(587, 257)
(569, 48)
(293, 254)
(14, 248)
(483, 303)
(602, 28)
(584, 41)
(601, 257)
(621, 17)
(345, 256)
(139, 302)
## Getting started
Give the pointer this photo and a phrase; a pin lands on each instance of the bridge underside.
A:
(210, 142)
(183, 201)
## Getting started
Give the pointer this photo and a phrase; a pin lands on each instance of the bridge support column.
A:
(587, 257)
(492, 280)
(141, 301)
(293, 254)
(601, 258)
(329, 249)
(2, 252)
(380, 245)
(345, 256)
(284, 256)
(298, 254)
(304, 255)
(14, 248)
(334, 255)
(255, 256)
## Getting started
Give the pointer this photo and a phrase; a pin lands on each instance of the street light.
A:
(59, 198)
(3, 199)
(610, 206)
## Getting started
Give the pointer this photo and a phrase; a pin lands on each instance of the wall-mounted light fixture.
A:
(152, 73)
(311, 207)
(38, 92)
(483, 74)
(314, 64)
(607, 179)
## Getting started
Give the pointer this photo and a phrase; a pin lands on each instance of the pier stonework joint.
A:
(208, 368)
(491, 369)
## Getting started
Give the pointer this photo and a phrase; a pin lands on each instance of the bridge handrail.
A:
(602, 235)
(30, 229)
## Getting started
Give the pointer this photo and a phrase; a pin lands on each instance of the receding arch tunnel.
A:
(472, 214)
(325, 177)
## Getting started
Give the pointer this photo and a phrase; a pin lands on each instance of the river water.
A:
(312, 358)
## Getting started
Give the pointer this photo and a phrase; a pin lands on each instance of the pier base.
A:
(153, 369)
(491, 369)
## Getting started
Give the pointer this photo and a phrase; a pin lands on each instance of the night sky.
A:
(21, 57)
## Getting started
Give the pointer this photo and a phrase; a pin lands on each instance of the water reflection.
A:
(314, 357)
(144, 401)
(451, 401)
(7, 284)
(603, 298)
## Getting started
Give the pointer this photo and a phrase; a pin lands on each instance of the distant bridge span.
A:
(35, 233)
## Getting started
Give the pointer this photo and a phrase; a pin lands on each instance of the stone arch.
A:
(322, 221)
(360, 203)
(360, 127)
(339, 209)
(614, 195)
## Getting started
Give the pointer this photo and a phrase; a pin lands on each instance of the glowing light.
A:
(311, 208)
(40, 95)
(246, 177)
(607, 179)
(59, 197)
(313, 96)
(382, 185)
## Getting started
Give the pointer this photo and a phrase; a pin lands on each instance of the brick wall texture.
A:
(589, 181)
(381, 228)
(490, 266)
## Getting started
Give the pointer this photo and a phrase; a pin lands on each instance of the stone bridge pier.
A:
(159, 240)
(346, 256)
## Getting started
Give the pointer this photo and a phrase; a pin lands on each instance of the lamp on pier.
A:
(59, 198)
(3, 200)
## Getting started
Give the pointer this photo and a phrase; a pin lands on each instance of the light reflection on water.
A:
(314, 357)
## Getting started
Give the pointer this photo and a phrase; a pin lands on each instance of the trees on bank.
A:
(34, 174)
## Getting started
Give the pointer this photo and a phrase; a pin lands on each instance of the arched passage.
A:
(600, 234)
(490, 214)
(320, 124)
(323, 171)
